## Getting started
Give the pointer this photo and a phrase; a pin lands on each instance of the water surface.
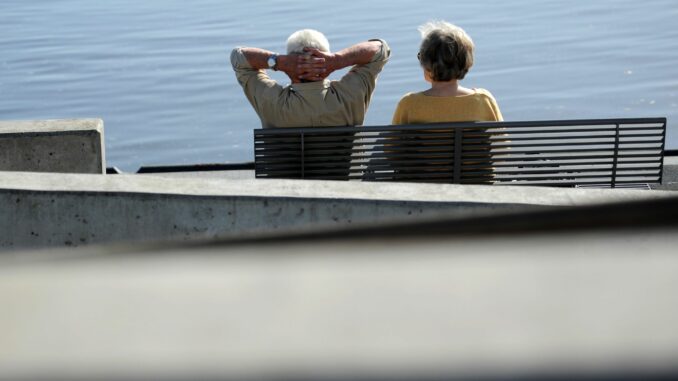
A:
(157, 71)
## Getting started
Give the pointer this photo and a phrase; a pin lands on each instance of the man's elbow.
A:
(379, 50)
(238, 59)
(376, 44)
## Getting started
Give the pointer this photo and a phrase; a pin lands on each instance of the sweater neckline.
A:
(475, 92)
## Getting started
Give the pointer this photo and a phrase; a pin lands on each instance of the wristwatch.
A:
(272, 61)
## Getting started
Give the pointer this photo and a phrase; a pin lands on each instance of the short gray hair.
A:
(446, 50)
(307, 38)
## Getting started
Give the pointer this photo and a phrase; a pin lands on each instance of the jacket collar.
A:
(311, 85)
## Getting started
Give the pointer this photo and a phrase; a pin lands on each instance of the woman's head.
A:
(446, 51)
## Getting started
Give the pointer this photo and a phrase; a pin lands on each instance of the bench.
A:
(599, 152)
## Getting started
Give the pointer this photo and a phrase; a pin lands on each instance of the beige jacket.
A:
(323, 103)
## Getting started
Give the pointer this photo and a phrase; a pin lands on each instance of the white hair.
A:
(444, 28)
(307, 38)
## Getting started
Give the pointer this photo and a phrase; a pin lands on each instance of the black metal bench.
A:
(600, 152)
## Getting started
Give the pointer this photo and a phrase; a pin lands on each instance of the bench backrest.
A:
(606, 152)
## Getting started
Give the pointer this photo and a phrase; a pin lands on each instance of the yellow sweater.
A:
(416, 108)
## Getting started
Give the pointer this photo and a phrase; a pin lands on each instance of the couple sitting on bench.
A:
(312, 100)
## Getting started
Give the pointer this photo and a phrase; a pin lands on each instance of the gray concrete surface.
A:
(52, 210)
(67, 146)
(241, 174)
(443, 308)
(670, 174)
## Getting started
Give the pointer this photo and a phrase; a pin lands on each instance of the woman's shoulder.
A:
(407, 104)
(410, 98)
(487, 101)
(483, 93)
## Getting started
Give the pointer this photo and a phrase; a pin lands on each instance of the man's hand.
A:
(316, 65)
(302, 67)
(296, 66)
(321, 64)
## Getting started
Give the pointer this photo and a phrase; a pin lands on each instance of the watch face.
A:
(271, 61)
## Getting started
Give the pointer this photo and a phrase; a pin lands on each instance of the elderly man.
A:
(311, 99)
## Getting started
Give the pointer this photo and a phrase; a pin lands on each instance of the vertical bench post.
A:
(303, 150)
(458, 136)
(614, 158)
(661, 154)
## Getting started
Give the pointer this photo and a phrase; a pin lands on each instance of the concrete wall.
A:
(55, 218)
(68, 146)
(48, 210)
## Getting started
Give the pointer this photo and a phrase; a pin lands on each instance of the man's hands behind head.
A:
(304, 67)
(316, 65)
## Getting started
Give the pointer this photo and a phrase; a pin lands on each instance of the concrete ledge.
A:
(47, 210)
(67, 146)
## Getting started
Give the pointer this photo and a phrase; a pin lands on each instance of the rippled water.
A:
(157, 71)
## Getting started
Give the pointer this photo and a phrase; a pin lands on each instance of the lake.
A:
(158, 73)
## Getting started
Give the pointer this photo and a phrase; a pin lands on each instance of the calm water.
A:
(157, 71)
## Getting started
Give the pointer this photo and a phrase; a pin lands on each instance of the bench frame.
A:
(594, 152)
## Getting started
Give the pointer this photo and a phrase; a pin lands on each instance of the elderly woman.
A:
(446, 55)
